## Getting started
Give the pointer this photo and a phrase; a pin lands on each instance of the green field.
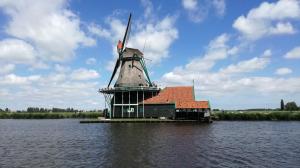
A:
(47, 115)
(258, 115)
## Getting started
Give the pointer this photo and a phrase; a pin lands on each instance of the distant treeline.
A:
(46, 113)
(290, 106)
(50, 115)
(47, 110)
(258, 116)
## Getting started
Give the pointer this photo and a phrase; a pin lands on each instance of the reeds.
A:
(47, 115)
(257, 116)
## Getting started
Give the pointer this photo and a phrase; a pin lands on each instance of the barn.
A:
(176, 103)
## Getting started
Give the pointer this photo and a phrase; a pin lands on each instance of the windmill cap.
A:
(134, 51)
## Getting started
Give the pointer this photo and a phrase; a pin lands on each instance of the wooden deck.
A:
(137, 121)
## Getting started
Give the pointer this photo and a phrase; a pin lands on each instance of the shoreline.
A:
(47, 115)
(216, 116)
(257, 116)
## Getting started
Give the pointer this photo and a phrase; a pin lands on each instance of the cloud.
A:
(200, 66)
(154, 37)
(148, 8)
(52, 29)
(16, 51)
(12, 79)
(283, 71)
(61, 68)
(84, 74)
(91, 61)
(7, 68)
(282, 28)
(198, 12)
(220, 6)
(216, 82)
(99, 31)
(293, 54)
(269, 19)
(233, 80)
(253, 64)
(216, 50)
(190, 4)
(56, 89)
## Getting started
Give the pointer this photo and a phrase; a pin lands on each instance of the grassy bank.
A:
(258, 115)
(54, 115)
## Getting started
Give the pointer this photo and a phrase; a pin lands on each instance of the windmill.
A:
(135, 96)
(133, 85)
(132, 65)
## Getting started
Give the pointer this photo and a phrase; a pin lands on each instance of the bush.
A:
(255, 116)
(291, 106)
(43, 115)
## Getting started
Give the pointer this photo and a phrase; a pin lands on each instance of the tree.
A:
(281, 105)
(291, 106)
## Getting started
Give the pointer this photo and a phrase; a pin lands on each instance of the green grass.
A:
(258, 115)
(56, 115)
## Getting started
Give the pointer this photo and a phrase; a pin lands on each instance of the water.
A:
(66, 143)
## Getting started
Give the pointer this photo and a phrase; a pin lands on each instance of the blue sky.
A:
(240, 53)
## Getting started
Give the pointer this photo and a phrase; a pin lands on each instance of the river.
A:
(66, 143)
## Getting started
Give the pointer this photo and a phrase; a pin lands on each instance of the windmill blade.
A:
(114, 72)
(126, 32)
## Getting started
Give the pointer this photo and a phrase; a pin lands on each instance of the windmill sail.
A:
(132, 65)
(120, 48)
(126, 36)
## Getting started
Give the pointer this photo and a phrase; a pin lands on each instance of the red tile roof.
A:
(192, 104)
(182, 96)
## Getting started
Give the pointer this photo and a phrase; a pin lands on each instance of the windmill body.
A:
(131, 72)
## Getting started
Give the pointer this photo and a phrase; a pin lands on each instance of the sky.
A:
(239, 53)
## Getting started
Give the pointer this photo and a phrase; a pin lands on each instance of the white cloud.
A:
(91, 61)
(282, 28)
(157, 37)
(269, 19)
(293, 54)
(7, 68)
(99, 31)
(216, 50)
(253, 64)
(148, 8)
(232, 81)
(197, 12)
(190, 4)
(12, 79)
(220, 6)
(283, 71)
(84, 74)
(50, 90)
(48, 25)
(16, 51)
(61, 68)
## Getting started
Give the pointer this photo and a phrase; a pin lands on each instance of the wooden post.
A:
(129, 106)
(114, 105)
(122, 105)
(137, 102)
(143, 105)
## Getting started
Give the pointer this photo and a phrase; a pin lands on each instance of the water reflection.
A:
(66, 143)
